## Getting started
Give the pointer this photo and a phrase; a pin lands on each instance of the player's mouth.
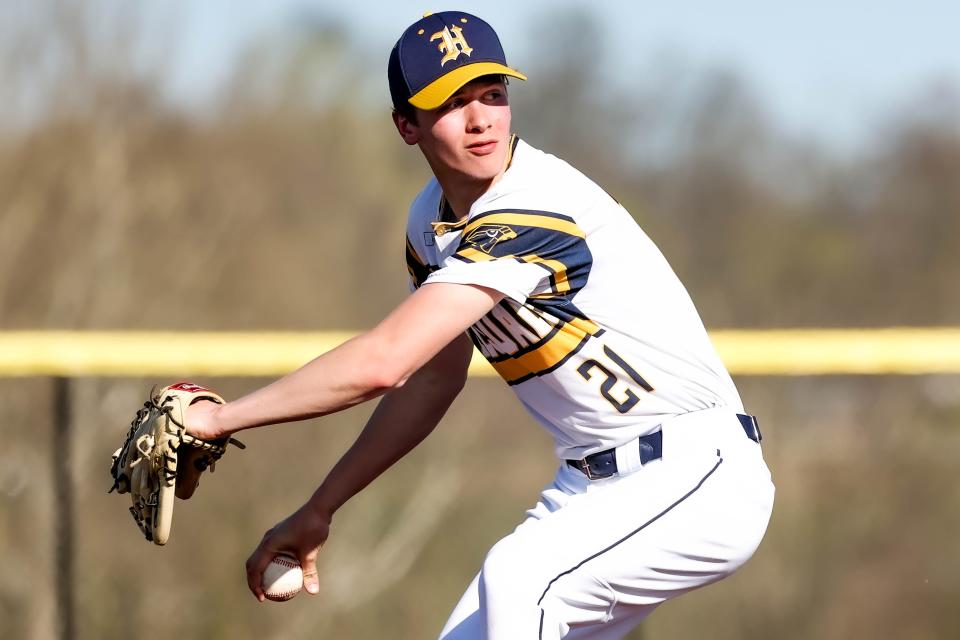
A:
(482, 148)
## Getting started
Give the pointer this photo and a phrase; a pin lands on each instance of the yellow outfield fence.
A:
(65, 355)
(776, 352)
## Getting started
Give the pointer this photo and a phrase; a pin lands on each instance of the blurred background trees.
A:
(280, 204)
(292, 173)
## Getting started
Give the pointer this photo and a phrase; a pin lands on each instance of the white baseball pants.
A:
(594, 558)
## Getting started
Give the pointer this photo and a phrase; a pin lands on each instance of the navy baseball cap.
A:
(440, 53)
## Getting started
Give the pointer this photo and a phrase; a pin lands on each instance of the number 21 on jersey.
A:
(586, 369)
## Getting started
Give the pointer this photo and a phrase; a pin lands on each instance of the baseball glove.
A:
(159, 459)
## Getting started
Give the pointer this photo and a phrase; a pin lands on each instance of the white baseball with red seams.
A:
(282, 579)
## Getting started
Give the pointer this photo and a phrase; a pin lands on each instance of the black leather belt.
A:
(603, 464)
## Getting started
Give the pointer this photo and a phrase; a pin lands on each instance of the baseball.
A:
(282, 579)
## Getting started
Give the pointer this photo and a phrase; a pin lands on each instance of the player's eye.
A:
(453, 103)
(493, 95)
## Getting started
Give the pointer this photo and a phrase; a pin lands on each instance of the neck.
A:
(461, 190)
(462, 193)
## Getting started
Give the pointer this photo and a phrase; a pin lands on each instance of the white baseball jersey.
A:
(596, 335)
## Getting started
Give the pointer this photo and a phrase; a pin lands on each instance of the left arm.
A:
(360, 369)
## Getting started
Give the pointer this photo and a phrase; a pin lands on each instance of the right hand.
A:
(300, 535)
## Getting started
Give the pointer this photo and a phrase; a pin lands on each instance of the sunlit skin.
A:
(417, 357)
(465, 141)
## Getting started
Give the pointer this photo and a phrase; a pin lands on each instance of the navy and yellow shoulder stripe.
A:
(416, 266)
(551, 240)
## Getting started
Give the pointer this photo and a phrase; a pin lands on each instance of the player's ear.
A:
(407, 126)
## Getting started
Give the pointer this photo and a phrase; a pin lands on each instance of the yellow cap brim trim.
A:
(436, 93)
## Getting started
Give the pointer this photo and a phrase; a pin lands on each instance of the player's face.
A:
(469, 134)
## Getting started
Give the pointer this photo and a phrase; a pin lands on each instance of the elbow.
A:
(386, 380)
(378, 367)
(387, 367)
(382, 376)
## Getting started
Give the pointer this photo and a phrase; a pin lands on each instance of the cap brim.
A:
(436, 93)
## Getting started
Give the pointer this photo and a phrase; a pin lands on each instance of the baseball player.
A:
(660, 487)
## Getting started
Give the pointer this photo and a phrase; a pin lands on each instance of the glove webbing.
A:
(142, 413)
(216, 451)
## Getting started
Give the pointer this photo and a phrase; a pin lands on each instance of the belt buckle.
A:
(586, 469)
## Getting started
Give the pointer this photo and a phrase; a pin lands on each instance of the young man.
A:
(661, 486)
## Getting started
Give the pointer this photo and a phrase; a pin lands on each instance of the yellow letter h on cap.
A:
(452, 44)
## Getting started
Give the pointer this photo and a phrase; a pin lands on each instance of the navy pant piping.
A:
(624, 538)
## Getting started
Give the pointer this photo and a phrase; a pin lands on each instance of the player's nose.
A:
(478, 116)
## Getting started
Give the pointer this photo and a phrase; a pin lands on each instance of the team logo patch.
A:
(452, 44)
(486, 236)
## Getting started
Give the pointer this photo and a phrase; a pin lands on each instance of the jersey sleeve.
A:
(416, 267)
(418, 254)
(523, 254)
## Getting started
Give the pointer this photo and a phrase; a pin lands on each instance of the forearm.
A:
(341, 378)
(400, 422)
(366, 366)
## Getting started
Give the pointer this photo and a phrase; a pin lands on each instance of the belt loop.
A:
(628, 457)
(751, 426)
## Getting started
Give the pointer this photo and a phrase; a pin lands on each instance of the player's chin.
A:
(483, 167)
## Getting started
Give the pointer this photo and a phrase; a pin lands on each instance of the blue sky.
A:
(827, 68)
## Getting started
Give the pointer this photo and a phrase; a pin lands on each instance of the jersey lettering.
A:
(630, 371)
(518, 329)
(543, 324)
(482, 342)
(500, 344)
(606, 387)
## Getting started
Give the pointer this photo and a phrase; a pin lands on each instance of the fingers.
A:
(308, 562)
(255, 576)
(201, 420)
(260, 559)
(255, 566)
(301, 535)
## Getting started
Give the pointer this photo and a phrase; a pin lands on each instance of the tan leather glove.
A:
(160, 460)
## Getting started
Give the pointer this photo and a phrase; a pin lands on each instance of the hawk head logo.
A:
(486, 236)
